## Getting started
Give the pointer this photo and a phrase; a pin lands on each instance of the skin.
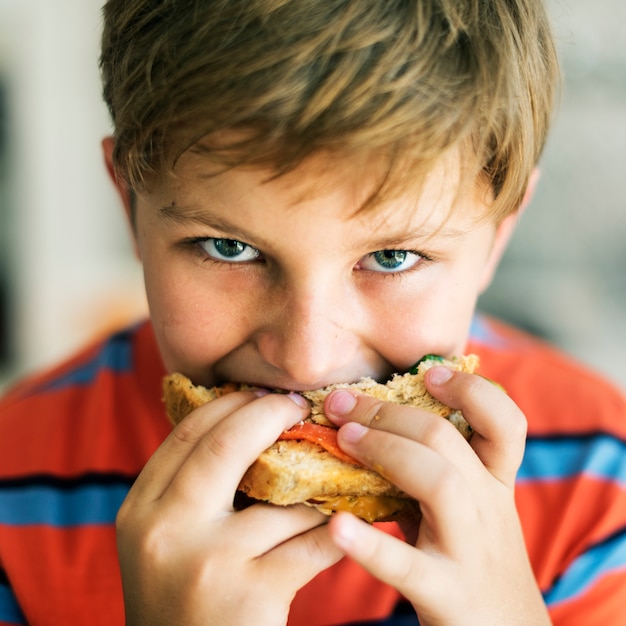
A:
(282, 283)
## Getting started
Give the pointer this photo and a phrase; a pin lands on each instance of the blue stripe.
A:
(394, 620)
(588, 569)
(9, 609)
(598, 456)
(482, 332)
(61, 507)
(115, 355)
(403, 615)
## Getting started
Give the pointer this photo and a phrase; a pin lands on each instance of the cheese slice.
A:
(368, 508)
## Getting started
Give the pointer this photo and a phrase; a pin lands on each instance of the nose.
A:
(310, 335)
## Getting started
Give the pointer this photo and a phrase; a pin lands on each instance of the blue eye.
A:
(228, 250)
(390, 260)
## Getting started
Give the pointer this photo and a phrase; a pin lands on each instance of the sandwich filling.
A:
(323, 436)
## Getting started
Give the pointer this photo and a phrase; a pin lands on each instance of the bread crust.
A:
(291, 472)
(320, 475)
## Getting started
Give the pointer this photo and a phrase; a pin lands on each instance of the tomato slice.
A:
(323, 436)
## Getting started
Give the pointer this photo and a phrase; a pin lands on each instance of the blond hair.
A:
(405, 79)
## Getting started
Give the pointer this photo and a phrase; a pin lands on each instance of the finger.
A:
(297, 561)
(160, 469)
(261, 527)
(215, 466)
(406, 421)
(441, 488)
(412, 572)
(498, 424)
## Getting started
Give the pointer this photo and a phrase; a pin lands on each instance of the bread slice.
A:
(296, 471)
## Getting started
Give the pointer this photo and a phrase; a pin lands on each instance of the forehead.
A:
(356, 187)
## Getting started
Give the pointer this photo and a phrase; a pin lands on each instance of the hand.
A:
(468, 564)
(186, 556)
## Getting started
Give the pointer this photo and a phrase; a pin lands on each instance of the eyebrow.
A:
(419, 235)
(185, 215)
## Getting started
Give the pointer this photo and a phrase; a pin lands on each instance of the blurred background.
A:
(67, 270)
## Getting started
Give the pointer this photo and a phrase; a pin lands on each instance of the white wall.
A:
(73, 269)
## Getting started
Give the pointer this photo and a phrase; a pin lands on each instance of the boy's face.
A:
(283, 284)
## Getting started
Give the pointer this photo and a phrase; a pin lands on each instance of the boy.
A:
(318, 191)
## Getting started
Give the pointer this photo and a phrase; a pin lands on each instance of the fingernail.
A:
(301, 401)
(439, 375)
(259, 392)
(347, 530)
(341, 402)
(352, 432)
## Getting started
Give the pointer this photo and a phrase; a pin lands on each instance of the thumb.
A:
(499, 426)
(302, 558)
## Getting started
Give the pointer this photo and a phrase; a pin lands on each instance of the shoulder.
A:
(558, 394)
(59, 420)
(72, 441)
(571, 486)
(81, 370)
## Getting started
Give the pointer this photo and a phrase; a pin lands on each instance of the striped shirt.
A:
(72, 441)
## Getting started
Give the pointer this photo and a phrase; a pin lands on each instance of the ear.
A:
(108, 145)
(505, 231)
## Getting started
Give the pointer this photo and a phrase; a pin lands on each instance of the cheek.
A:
(434, 319)
(193, 318)
(429, 331)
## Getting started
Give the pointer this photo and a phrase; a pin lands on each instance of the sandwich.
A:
(306, 465)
